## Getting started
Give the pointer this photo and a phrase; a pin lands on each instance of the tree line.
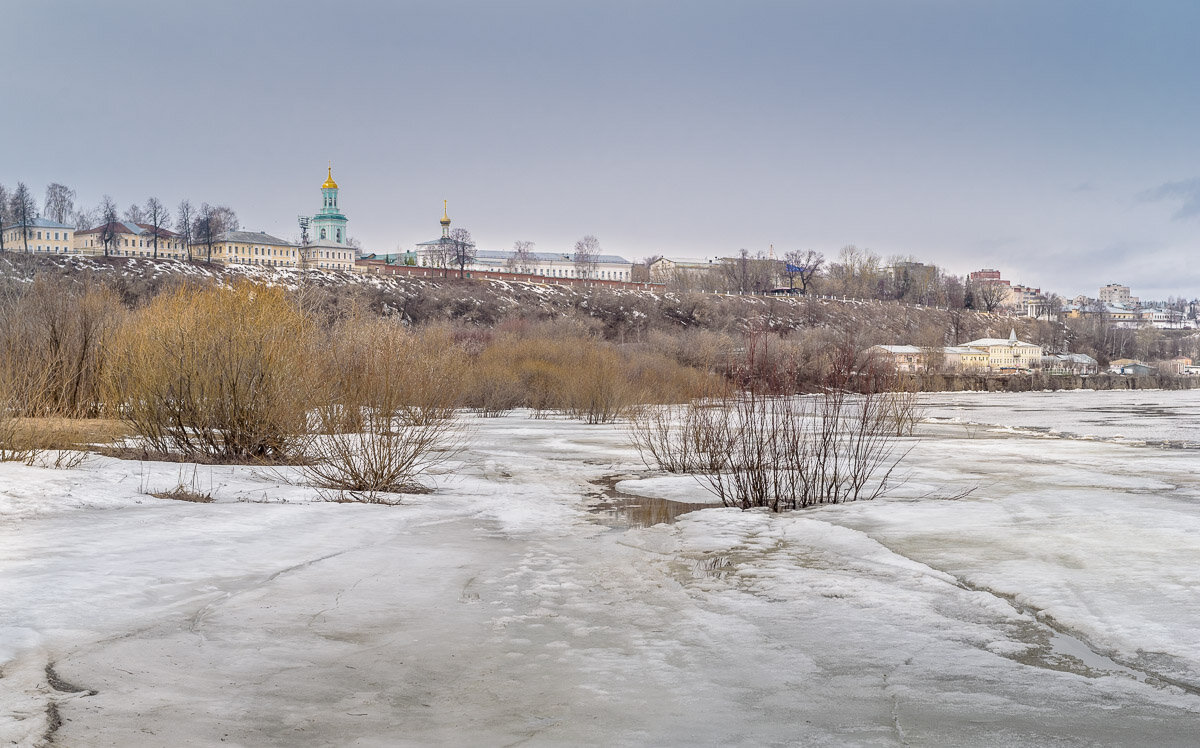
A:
(201, 225)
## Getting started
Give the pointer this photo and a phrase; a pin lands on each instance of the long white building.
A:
(434, 254)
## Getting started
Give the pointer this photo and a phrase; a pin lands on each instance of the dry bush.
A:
(218, 374)
(387, 414)
(782, 453)
(191, 490)
(555, 368)
(13, 448)
(676, 438)
(905, 409)
(54, 340)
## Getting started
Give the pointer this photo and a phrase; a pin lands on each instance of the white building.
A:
(438, 253)
(1114, 293)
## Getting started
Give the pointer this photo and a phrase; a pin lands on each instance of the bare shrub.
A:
(783, 453)
(904, 407)
(388, 416)
(676, 438)
(13, 448)
(564, 369)
(222, 374)
(191, 490)
(53, 344)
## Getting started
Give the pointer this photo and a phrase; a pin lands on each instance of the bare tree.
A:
(802, 267)
(60, 201)
(183, 225)
(85, 218)
(134, 214)
(224, 219)
(1051, 310)
(462, 249)
(24, 210)
(108, 224)
(587, 256)
(3, 213)
(208, 228)
(641, 270)
(157, 217)
(988, 296)
(748, 273)
(522, 258)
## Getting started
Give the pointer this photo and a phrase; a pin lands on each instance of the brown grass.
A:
(69, 433)
(183, 493)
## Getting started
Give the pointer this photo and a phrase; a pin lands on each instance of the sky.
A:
(1055, 140)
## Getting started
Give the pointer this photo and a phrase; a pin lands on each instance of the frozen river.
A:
(1140, 416)
(1055, 604)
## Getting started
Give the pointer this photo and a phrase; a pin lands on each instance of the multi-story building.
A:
(1069, 363)
(130, 240)
(906, 359)
(986, 355)
(1115, 293)
(250, 248)
(1020, 296)
(666, 269)
(39, 235)
(987, 275)
(439, 253)
(1005, 355)
(1163, 319)
(964, 358)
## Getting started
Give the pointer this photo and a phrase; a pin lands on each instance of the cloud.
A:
(1186, 191)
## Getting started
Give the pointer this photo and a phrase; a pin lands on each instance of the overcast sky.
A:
(1058, 141)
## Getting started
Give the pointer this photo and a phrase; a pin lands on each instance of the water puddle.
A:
(621, 510)
(1065, 645)
(1056, 649)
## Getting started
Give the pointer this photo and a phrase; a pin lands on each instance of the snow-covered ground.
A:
(523, 602)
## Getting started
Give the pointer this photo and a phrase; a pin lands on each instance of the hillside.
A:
(619, 313)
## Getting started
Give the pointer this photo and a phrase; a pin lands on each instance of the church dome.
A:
(445, 213)
(329, 183)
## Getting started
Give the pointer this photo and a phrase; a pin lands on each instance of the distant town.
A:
(212, 233)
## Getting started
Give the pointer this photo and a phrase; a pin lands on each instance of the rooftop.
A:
(253, 237)
(39, 223)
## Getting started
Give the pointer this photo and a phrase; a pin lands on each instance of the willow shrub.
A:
(387, 412)
(218, 374)
(54, 343)
(580, 376)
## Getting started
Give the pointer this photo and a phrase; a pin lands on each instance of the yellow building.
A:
(250, 248)
(40, 235)
(905, 359)
(1008, 354)
(130, 240)
(965, 359)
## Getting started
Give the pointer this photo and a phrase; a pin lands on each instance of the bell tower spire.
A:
(445, 219)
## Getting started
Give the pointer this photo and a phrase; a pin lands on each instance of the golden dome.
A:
(445, 213)
(329, 183)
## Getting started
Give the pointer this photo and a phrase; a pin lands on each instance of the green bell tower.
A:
(329, 224)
